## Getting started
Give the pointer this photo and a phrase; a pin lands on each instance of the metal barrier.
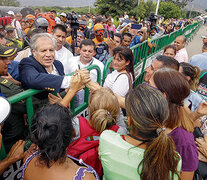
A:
(142, 54)
(27, 95)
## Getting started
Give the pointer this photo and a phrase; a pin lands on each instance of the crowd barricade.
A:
(143, 54)
(27, 97)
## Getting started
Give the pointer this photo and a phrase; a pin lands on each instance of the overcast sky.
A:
(71, 3)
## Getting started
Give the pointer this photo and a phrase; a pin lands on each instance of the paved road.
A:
(195, 45)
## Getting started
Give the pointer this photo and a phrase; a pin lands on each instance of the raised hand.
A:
(54, 99)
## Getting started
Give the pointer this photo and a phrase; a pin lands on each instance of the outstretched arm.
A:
(16, 153)
(77, 82)
(201, 111)
(95, 86)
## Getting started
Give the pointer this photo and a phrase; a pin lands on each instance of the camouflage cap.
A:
(9, 28)
(7, 51)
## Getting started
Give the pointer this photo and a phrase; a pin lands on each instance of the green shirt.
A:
(120, 159)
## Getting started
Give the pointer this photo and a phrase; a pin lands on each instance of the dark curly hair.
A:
(52, 132)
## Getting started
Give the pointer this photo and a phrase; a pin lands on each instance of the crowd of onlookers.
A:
(154, 131)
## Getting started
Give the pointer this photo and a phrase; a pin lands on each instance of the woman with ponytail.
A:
(192, 74)
(180, 124)
(103, 112)
(147, 152)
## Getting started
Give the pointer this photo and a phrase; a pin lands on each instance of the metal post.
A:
(158, 2)
(89, 8)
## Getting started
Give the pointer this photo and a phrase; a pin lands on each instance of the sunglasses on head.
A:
(99, 32)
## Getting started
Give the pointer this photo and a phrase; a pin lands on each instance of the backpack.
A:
(86, 147)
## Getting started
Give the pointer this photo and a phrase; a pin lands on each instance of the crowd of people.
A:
(154, 131)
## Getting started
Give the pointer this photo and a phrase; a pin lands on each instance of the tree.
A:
(180, 3)
(169, 10)
(143, 9)
(114, 7)
(192, 14)
(150, 6)
(9, 3)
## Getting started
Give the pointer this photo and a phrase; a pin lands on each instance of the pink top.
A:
(110, 28)
(181, 55)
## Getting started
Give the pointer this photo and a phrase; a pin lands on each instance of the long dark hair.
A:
(176, 88)
(126, 54)
(52, 132)
(147, 109)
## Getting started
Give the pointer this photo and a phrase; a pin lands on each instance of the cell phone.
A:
(197, 133)
(136, 26)
(111, 34)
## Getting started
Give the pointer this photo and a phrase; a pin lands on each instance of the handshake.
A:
(79, 80)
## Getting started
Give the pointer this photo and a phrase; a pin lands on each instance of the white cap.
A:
(5, 109)
(63, 14)
(10, 13)
(204, 37)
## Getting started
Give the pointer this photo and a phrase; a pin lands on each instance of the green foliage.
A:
(114, 7)
(79, 10)
(118, 7)
(206, 10)
(116, 22)
(180, 3)
(141, 10)
(150, 6)
(192, 14)
(9, 3)
(183, 13)
(169, 10)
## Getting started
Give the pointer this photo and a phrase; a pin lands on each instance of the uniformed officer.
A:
(10, 35)
(14, 127)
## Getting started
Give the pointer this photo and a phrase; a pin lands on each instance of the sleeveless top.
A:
(120, 159)
(80, 173)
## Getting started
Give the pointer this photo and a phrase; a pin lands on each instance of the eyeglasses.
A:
(99, 32)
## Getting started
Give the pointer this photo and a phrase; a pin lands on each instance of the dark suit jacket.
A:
(34, 75)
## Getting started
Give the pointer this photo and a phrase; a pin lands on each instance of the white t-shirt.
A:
(64, 56)
(76, 64)
(120, 85)
(57, 20)
(181, 55)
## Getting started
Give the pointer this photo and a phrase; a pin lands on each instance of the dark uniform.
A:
(14, 127)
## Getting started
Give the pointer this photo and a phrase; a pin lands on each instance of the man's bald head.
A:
(180, 42)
